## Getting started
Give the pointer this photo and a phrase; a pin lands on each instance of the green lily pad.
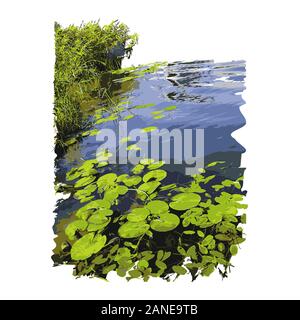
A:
(73, 174)
(143, 106)
(148, 187)
(234, 249)
(149, 129)
(157, 175)
(132, 181)
(166, 222)
(147, 161)
(72, 228)
(89, 208)
(108, 178)
(133, 147)
(157, 207)
(179, 270)
(84, 181)
(97, 222)
(86, 246)
(94, 132)
(158, 112)
(138, 215)
(71, 141)
(156, 165)
(138, 169)
(130, 116)
(184, 201)
(170, 108)
(121, 190)
(133, 229)
(160, 116)
(111, 195)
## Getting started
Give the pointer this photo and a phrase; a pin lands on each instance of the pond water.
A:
(176, 96)
(207, 95)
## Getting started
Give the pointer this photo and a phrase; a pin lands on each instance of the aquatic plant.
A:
(82, 54)
(168, 230)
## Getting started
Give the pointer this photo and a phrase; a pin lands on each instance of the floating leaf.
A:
(135, 273)
(156, 165)
(143, 264)
(138, 215)
(214, 217)
(72, 228)
(234, 249)
(71, 141)
(143, 106)
(166, 222)
(132, 181)
(158, 175)
(97, 222)
(170, 108)
(189, 232)
(148, 187)
(157, 112)
(138, 169)
(161, 116)
(184, 201)
(84, 181)
(244, 218)
(207, 271)
(147, 161)
(157, 207)
(87, 246)
(133, 147)
(130, 116)
(73, 174)
(213, 164)
(179, 270)
(132, 229)
(149, 129)
(111, 195)
(122, 190)
(207, 240)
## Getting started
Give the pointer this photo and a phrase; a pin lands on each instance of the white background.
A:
(264, 33)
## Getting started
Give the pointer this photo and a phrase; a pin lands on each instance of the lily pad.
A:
(157, 207)
(149, 129)
(133, 229)
(157, 175)
(170, 108)
(166, 222)
(147, 161)
(156, 165)
(148, 187)
(97, 222)
(179, 270)
(73, 174)
(130, 116)
(132, 181)
(89, 208)
(138, 215)
(143, 106)
(72, 228)
(84, 181)
(184, 201)
(86, 246)
(160, 116)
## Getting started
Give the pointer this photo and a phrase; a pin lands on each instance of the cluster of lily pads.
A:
(140, 227)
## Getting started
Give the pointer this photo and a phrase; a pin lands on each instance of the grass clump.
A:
(82, 54)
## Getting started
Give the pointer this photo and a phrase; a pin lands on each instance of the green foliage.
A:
(82, 54)
(100, 238)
